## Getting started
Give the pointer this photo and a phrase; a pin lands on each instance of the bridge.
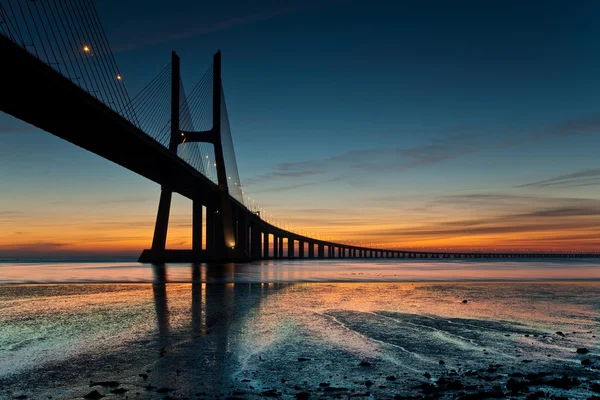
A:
(58, 73)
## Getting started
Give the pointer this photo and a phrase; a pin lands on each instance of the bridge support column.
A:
(300, 249)
(311, 250)
(291, 248)
(242, 244)
(196, 226)
(255, 243)
(321, 250)
(266, 245)
(281, 247)
(275, 246)
(159, 242)
(214, 233)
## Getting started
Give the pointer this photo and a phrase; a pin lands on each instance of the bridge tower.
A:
(220, 236)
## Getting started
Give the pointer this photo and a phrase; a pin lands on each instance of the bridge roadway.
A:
(37, 94)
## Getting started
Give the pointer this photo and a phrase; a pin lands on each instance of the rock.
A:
(21, 397)
(282, 380)
(334, 389)
(390, 378)
(271, 393)
(302, 396)
(324, 384)
(564, 383)
(119, 391)
(428, 388)
(245, 380)
(516, 386)
(364, 364)
(303, 359)
(94, 394)
(559, 333)
(586, 362)
(165, 390)
(143, 376)
(595, 387)
(526, 361)
(427, 375)
(582, 350)
(442, 362)
(465, 301)
(368, 383)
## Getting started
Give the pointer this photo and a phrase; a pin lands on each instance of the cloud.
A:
(280, 174)
(588, 177)
(576, 126)
(388, 159)
(11, 215)
(505, 213)
(436, 151)
(299, 185)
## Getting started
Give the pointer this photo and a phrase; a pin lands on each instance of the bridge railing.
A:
(67, 36)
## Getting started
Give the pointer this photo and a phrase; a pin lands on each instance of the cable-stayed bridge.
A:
(58, 73)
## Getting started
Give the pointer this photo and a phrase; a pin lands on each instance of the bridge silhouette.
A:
(59, 74)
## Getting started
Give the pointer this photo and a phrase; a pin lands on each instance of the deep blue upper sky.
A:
(351, 105)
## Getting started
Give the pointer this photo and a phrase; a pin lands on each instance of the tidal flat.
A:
(212, 339)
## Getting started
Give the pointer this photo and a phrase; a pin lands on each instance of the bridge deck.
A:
(42, 97)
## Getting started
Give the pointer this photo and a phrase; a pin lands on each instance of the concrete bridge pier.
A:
(255, 243)
(266, 245)
(275, 246)
(281, 247)
(311, 250)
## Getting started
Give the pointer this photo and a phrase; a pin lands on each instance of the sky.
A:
(456, 125)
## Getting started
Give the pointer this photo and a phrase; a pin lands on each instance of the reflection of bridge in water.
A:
(59, 74)
(206, 345)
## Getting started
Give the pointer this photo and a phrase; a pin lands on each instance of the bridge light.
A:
(86, 49)
(206, 156)
(182, 134)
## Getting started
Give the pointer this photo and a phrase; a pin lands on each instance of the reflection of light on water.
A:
(317, 270)
(203, 318)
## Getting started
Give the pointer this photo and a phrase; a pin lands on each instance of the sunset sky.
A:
(418, 124)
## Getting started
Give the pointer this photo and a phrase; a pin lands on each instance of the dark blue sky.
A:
(387, 111)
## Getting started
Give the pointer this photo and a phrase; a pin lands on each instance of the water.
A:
(307, 271)
(298, 327)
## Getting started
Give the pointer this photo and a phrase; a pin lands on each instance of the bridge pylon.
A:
(220, 230)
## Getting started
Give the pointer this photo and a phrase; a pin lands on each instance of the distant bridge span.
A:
(33, 91)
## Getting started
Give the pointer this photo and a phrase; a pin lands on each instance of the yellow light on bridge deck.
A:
(182, 134)
(86, 49)
(119, 77)
(206, 156)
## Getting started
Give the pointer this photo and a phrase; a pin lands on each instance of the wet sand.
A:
(300, 340)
